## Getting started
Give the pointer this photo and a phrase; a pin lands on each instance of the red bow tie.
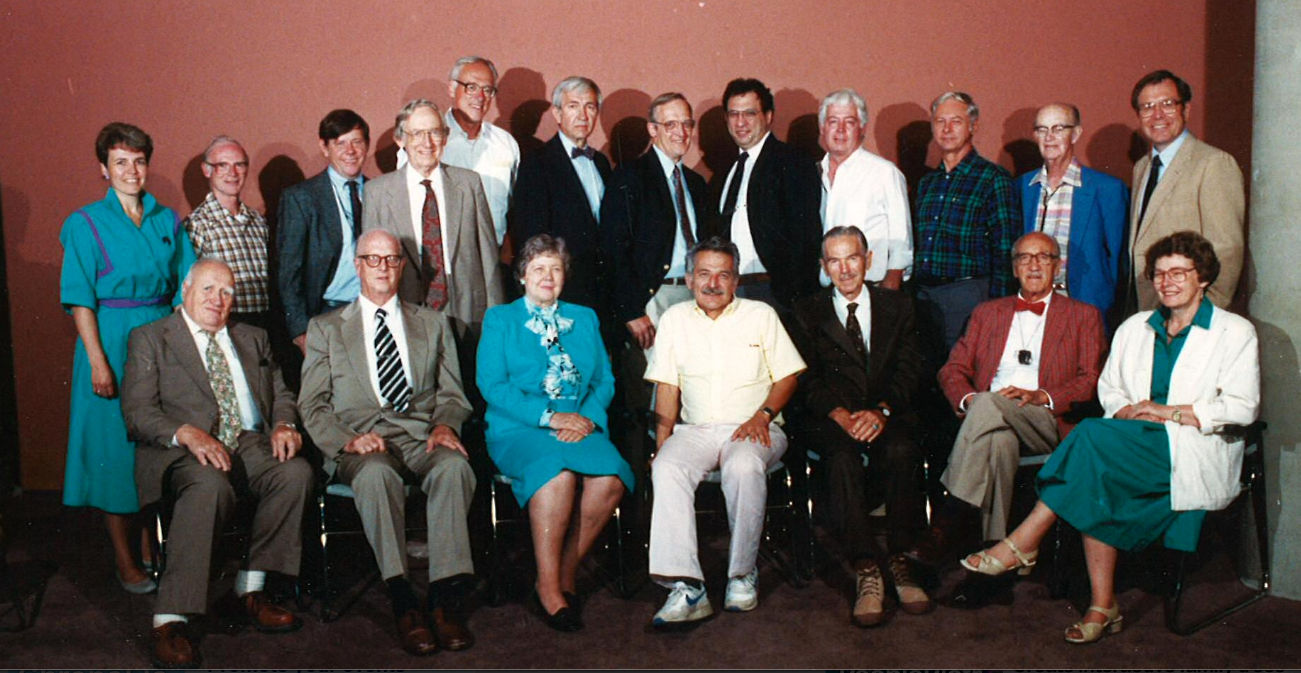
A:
(1036, 308)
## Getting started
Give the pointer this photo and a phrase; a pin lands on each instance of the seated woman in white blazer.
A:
(1158, 461)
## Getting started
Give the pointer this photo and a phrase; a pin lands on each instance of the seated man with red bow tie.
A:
(1021, 364)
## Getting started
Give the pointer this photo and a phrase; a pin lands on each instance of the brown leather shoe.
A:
(416, 637)
(450, 629)
(267, 617)
(174, 647)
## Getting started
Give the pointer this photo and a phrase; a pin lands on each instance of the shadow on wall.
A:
(1114, 149)
(522, 100)
(717, 151)
(905, 128)
(1018, 149)
(796, 111)
(623, 117)
(1283, 379)
(281, 169)
(193, 184)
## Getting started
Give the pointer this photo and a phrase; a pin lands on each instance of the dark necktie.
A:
(223, 388)
(680, 196)
(1036, 308)
(855, 331)
(388, 365)
(354, 195)
(734, 189)
(583, 152)
(1152, 176)
(432, 245)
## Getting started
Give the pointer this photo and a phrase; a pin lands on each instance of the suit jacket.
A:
(784, 199)
(837, 375)
(475, 282)
(338, 400)
(1097, 235)
(308, 244)
(165, 386)
(1200, 190)
(549, 198)
(638, 227)
(1069, 359)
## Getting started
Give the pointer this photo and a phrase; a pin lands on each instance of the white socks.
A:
(250, 580)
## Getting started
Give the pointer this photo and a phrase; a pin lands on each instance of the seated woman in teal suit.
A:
(544, 372)
(1151, 469)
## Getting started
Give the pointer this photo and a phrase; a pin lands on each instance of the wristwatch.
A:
(769, 412)
(1178, 416)
(885, 411)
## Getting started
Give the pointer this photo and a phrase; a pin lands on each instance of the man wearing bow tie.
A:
(1021, 364)
(559, 190)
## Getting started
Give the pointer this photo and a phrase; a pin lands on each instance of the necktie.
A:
(734, 189)
(680, 197)
(223, 388)
(1152, 176)
(388, 365)
(583, 152)
(1036, 308)
(855, 331)
(432, 244)
(354, 195)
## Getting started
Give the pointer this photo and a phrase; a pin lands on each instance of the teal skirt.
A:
(531, 457)
(1110, 479)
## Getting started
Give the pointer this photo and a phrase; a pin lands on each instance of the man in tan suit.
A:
(211, 415)
(382, 398)
(1182, 183)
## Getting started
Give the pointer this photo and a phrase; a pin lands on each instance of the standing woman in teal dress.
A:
(1159, 460)
(544, 372)
(123, 258)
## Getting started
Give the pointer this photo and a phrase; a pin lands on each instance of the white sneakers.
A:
(685, 604)
(742, 592)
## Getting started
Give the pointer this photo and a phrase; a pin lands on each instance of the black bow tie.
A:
(583, 152)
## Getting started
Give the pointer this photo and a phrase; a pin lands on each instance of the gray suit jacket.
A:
(338, 400)
(1200, 190)
(475, 283)
(166, 386)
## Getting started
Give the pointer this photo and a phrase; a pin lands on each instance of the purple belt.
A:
(134, 303)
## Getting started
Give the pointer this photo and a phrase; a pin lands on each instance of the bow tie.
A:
(1036, 308)
(583, 152)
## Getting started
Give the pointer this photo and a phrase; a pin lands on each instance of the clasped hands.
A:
(864, 425)
(1147, 410)
(571, 427)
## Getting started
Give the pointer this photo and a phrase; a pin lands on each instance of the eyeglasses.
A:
(1024, 258)
(472, 88)
(439, 134)
(1167, 106)
(749, 114)
(1172, 275)
(1054, 130)
(373, 261)
(226, 166)
(678, 125)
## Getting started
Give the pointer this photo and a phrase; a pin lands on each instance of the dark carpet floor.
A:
(87, 621)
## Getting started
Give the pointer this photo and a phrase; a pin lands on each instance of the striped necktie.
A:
(393, 384)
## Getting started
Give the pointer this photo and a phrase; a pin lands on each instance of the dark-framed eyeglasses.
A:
(472, 88)
(1023, 258)
(1056, 130)
(1173, 275)
(373, 261)
(678, 125)
(227, 166)
(1168, 106)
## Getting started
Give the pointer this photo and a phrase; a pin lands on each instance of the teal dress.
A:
(129, 276)
(535, 362)
(1110, 478)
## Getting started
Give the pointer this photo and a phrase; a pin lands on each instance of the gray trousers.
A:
(204, 498)
(982, 466)
(448, 482)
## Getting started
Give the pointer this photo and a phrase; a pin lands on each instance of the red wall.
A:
(266, 72)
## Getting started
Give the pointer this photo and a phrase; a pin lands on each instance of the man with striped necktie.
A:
(382, 398)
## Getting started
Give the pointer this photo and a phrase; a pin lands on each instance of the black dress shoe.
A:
(565, 619)
(977, 591)
(575, 603)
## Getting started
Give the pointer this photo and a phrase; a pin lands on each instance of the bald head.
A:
(377, 238)
(1056, 130)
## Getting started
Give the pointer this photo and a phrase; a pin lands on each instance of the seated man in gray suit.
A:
(211, 415)
(382, 398)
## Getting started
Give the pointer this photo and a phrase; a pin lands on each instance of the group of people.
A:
(789, 288)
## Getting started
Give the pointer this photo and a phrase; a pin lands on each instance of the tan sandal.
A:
(990, 565)
(1091, 632)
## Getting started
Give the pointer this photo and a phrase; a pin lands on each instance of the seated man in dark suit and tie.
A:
(651, 217)
(1022, 363)
(863, 371)
(211, 415)
(559, 191)
(382, 398)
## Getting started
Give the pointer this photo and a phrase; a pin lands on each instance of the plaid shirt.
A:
(1054, 214)
(241, 245)
(966, 221)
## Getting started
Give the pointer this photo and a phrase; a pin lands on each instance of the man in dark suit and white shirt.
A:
(768, 202)
(560, 187)
(863, 372)
(211, 415)
(382, 398)
(318, 225)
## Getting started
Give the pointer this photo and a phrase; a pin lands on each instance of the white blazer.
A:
(1218, 372)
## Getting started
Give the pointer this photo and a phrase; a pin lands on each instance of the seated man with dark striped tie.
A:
(382, 398)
